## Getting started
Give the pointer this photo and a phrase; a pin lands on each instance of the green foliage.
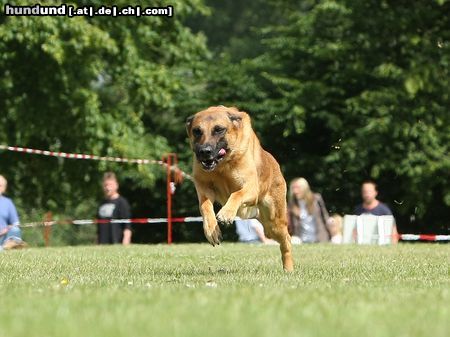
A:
(350, 90)
(90, 85)
(339, 91)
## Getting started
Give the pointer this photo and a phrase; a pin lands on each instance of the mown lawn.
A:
(230, 290)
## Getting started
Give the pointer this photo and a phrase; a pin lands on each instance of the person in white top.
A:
(335, 226)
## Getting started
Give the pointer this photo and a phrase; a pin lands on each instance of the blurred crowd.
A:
(308, 218)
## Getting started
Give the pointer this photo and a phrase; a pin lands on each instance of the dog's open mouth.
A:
(210, 164)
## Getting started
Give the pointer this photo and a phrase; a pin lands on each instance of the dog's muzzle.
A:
(209, 157)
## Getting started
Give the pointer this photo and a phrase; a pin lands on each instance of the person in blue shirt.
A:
(10, 234)
(371, 205)
(251, 231)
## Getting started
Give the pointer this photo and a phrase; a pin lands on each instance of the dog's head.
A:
(214, 133)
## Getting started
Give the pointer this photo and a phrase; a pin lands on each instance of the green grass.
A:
(230, 290)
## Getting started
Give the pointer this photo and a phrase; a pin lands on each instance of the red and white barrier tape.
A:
(404, 237)
(89, 157)
(424, 237)
(104, 221)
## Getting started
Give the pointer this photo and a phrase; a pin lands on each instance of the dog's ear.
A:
(235, 117)
(189, 123)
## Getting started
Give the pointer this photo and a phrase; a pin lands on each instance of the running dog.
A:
(232, 168)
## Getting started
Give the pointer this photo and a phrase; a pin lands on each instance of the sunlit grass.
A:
(230, 290)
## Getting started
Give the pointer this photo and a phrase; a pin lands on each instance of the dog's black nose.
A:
(206, 151)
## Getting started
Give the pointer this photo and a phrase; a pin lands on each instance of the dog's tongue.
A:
(222, 152)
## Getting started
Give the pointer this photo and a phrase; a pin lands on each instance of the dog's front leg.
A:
(210, 226)
(248, 194)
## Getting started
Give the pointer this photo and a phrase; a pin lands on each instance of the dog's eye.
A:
(219, 130)
(197, 132)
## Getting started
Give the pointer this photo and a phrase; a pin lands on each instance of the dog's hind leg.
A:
(274, 220)
(281, 235)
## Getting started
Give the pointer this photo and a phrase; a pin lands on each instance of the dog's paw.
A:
(213, 236)
(225, 216)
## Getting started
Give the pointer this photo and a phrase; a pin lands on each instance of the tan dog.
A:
(231, 167)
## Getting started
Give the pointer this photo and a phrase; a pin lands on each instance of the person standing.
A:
(10, 234)
(308, 216)
(114, 206)
(371, 205)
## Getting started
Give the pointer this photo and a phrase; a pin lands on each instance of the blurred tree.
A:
(347, 90)
(102, 85)
(339, 91)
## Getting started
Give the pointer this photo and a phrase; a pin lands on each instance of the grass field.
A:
(230, 290)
